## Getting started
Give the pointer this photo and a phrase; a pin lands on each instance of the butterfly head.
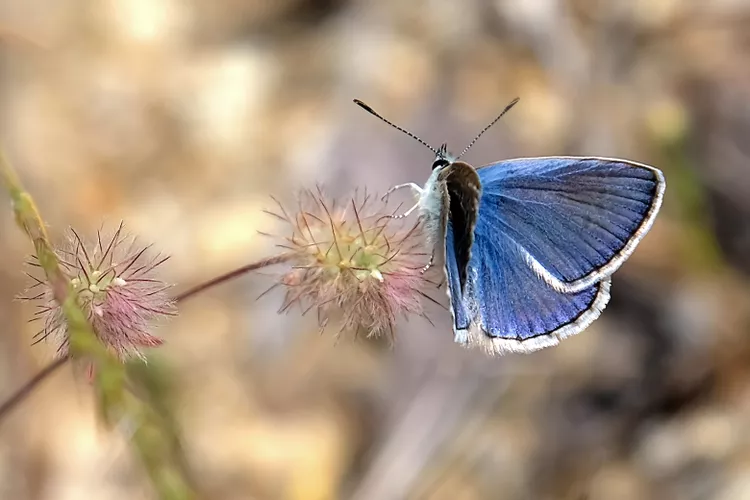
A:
(442, 158)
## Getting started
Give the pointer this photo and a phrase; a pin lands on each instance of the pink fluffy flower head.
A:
(350, 258)
(114, 279)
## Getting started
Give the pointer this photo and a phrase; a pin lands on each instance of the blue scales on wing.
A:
(548, 235)
(579, 218)
(506, 306)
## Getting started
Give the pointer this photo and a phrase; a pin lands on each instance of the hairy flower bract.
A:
(352, 258)
(116, 287)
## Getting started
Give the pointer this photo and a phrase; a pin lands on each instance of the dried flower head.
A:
(351, 258)
(116, 288)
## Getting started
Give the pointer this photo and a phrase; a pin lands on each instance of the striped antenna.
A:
(372, 112)
(485, 129)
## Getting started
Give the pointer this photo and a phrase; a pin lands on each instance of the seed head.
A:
(114, 280)
(351, 258)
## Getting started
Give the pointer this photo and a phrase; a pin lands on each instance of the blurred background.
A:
(182, 117)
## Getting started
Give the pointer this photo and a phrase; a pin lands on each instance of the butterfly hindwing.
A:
(576, 219)
(506, 306)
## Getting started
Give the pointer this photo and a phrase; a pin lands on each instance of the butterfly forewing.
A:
(577, 219)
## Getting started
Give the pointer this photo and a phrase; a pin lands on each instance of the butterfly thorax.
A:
(431, 199)
(431, 206)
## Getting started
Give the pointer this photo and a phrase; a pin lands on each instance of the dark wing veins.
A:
(464, 190)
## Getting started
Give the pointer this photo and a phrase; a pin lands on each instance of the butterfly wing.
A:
(506, 306)
(575, 220)
(548, 234)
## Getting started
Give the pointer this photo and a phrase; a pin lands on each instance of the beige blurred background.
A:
(181, 117)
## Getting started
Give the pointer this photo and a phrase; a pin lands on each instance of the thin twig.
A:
(27, 389)
(279, 259)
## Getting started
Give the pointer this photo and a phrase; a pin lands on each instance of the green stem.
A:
(115, 401)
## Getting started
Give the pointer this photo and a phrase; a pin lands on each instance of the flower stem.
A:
(271, 261)
(29, 386)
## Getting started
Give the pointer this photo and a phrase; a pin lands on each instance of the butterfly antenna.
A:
(372, 112)
(485, 129)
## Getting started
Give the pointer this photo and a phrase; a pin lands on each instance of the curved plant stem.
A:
(271, 261)
(23, 392)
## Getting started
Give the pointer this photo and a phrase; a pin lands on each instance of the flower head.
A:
(349, 258)
(116, 288)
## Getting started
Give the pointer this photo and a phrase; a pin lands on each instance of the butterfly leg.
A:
(415, 189)
(429, 263)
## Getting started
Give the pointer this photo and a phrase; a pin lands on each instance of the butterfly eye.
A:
(440, 162)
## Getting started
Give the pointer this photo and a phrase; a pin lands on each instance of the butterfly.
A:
(530, 244)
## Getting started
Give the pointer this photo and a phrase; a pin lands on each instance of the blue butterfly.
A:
(530, 244)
